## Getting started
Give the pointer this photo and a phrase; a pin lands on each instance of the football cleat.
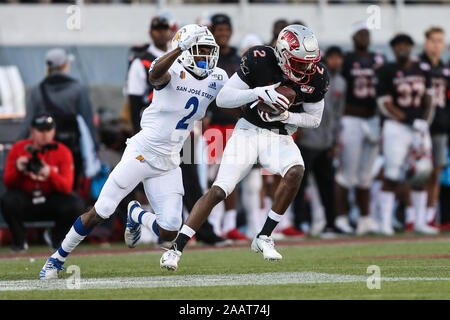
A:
(266, 246)
(132, 229)
(234, 234)
(343, 225)
(425, 229)
(169, 259)
(51, 269)
(365, 226)
(386, 230)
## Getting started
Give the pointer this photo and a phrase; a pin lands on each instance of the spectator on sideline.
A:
(39, 187)
(140, 58)
(319, 146)
(64, 98)
(278, 25)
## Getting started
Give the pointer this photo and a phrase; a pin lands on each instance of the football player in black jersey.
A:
(404, 97)
(440, 81)
(265, 137)
(360, 132)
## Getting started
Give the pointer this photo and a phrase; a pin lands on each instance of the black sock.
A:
(180, 242)
(268, 227)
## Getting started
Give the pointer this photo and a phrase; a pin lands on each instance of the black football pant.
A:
(63, 209)
(320, 164)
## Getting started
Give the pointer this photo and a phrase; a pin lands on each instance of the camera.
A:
(34, 164)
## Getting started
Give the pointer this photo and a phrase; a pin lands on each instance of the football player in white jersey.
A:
(186, 81)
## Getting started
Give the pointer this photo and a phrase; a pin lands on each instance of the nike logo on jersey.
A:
(140, 158)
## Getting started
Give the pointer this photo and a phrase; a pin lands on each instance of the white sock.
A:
(145, 218)
(229, 220)
(187, 231)
(410, 215)
(76, 234)
(419, 201)
(431, 214)
(386, 201)
(374, 192)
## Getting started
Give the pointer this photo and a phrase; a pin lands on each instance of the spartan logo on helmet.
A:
(291, 39)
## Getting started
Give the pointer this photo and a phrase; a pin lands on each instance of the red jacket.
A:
(61, 175)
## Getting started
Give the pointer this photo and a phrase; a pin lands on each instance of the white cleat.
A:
(365, 226)
(169, 259)
(51, 269)
(133, 229)
(343, 225)
(386, 231)
(425, 229)
(266, 246)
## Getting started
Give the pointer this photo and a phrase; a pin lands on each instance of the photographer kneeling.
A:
(39, 176)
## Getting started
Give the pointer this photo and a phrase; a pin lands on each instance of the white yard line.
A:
(197, 281)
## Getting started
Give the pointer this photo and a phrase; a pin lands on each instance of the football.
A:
(285, 91)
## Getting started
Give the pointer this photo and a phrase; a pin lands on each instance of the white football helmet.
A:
(297, 52)
(206, 66)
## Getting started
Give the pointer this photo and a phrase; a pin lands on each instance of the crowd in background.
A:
(327, 204)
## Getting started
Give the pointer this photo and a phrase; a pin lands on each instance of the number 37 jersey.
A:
(168, 120)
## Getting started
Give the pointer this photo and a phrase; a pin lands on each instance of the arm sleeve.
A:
(384, 83)
(338, 112)
(62, 179)
(136, 79)
(311, 118)
(235, 93)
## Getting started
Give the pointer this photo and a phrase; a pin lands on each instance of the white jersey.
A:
(170, 118)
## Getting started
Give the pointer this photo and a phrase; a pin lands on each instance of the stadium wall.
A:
(106, 32)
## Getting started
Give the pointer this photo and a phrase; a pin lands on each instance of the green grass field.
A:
(410, 268)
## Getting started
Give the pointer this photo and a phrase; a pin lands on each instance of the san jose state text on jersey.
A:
(198, 92)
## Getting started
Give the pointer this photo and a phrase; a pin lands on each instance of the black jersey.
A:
(259, 68)
(406, 86)
(359, 73)
(440, 82)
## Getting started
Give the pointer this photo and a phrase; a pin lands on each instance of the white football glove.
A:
(267, 117)
(187, 40)
(273, 99)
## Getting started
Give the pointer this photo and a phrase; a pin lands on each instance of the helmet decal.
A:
(291, 39)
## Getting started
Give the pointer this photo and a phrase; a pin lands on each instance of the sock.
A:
(145, 218)
(386, 201)
(73, 238)
(229, 220)
(374, 192)
(419, 201)
(431, 214)
(410, 215)
(183, 237)
(271, 222)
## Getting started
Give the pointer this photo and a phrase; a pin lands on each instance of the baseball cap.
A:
(401, 38)
(220, 18)
(57, 57)
(159, 22)
(43, 121)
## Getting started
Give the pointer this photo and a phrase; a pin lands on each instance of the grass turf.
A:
(344, 259)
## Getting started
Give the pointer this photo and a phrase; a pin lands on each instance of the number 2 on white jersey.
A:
(182, 123)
